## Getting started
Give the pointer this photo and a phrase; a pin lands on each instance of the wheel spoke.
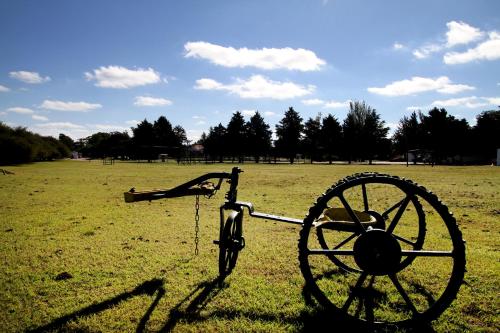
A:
(345, 241)
(354, 291)
(403, 293)
(399, 213)
(387, 212)
(421, 253)
(330, 252)
(365, 197)
(351, 213)
(404, 240)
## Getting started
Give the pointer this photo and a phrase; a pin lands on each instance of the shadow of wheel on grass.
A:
(149, 287)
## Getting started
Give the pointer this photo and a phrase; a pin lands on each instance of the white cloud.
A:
(258, 86)
(269, 113)
(426, 50)
(4, 88)
(151, 101)
(200, 122)
(20, 110)
(336, 104)
(40, 118)
(313, 101)
(118, 77)
(493, 100)
(69, 106)
(199, 117)
(29, 77)
(266, 58)
(60, 125)
(132, 122)
(3, 113)
(193, 135)
(487, 50)
(415, 108)
(109, 128)
(468, 102)
(461, 33)
(326, 104)
(417, 84)
(398, 46)
(248, 112)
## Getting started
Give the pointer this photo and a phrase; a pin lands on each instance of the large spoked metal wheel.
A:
(336, 226)
(231, 243)
(396, 257)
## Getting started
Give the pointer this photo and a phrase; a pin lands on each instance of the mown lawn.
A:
(76, 257)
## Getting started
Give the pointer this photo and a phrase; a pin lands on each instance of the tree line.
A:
(361, 136)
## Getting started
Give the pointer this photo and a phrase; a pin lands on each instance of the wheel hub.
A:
(377, 252)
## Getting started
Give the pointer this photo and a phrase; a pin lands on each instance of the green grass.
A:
(132, 266)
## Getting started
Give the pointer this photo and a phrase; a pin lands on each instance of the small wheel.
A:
(405, 271)
(231, 243)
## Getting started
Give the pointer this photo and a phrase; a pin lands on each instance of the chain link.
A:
(197, 224)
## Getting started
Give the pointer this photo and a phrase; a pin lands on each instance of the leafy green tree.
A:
(364, 132)
(445, 135)
(258, 137)
(215, 142)
(487, 134)
(163, 133)
(67, 141)
(331, 137)
(180, 137)
(144, 139)
(289, 131)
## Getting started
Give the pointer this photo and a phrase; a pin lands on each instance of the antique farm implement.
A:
(373, 247)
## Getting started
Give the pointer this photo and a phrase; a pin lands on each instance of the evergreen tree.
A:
(215, 143)
(258, 137)
(331, 137)
(236, 136)
(289, 131)
(312, 136)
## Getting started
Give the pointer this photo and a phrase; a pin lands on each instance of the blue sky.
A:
(79, 67)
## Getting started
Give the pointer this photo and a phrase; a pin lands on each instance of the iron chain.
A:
(197, 224)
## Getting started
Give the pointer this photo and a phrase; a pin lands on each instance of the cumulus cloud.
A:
(4, 88)
(417, 85)
(461, 33)
(132, 122)
(458, 33)
(20, 110)
(151, 101)
(326, 104)
(257, 86)
(336, 104)
(39, 117)
(313, 101)
(108, 128)
(265, 58)
(118, 77)
(249, 113)
(426, 50)
(468, 102)
(69, 106)
(398, 46)
(60, 125)
(29, 77)
(487, 50)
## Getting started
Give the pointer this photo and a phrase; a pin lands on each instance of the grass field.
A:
(75, 257)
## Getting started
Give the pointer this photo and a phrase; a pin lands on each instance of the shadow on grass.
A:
(148, 288)
(188, 310)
